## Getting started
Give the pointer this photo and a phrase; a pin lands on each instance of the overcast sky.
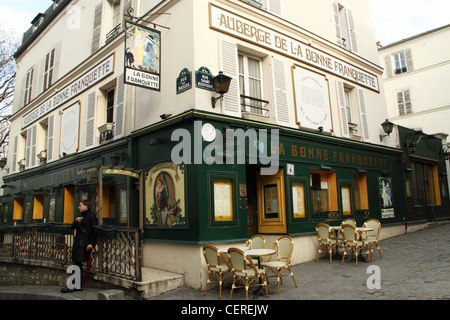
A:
(393, 20)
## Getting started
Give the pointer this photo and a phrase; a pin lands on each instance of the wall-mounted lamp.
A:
(445, 152)
(388, 127)
(221, 85)
(115, 159)
(320, 130)
(3, 162)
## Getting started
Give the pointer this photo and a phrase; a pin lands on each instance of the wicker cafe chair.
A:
(373, 236)
(217, 265)
(246, 271)
(284, 247)
(352, 243)
(256, 242)
(327, 240)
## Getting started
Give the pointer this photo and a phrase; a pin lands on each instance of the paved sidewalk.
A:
(414, 267)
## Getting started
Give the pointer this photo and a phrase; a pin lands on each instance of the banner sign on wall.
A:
(142, 56)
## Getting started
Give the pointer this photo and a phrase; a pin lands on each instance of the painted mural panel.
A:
(165, 196)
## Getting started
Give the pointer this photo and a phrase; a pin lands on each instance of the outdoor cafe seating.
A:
(284, 247)
(349, 239)
(217, 265)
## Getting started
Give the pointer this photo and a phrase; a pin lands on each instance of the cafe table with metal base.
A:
(259, 253)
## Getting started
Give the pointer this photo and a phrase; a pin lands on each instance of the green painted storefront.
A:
(322, 179)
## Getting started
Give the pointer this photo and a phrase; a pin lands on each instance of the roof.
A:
(414, 37)
(31, 34)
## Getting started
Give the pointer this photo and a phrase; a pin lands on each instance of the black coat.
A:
(84, 236)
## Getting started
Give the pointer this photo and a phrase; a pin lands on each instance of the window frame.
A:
(246, 97)
(49, 69)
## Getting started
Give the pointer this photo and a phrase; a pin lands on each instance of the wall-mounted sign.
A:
(203, 79)
(87, 80)
(70, 121)
(312, 100)
(142, 56)
(239, 27)
(184, 81)
(121, 173)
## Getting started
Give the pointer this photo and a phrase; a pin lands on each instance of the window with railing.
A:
(251, 85)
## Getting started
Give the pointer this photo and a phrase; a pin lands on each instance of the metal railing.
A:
(117, 254)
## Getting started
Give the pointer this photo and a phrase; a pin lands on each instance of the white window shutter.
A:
(280, 91)
(409, 60)
(90, 120)
(230, 67)
(14, 164)
(97, 27)
(337, 22)
(363, 115)
(119, 110)
(50, 133)
(275, 7)
(388, 61)
(343, 110)
(33, 145)
(352, 31)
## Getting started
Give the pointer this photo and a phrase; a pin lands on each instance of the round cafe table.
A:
(259, 253)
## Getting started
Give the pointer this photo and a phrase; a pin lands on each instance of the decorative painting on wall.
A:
(165, 196)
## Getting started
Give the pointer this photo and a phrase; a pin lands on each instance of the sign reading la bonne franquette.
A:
(242, 28)
(90, 78)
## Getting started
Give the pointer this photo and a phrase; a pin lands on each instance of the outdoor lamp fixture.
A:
(446, 153)
(388, 127)
(3, 163)
(221, 85)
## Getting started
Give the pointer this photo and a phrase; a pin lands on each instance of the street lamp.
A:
(221, 85)
(388, 127)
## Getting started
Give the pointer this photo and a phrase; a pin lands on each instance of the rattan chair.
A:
(246, 271)
(284, 246)
(327, 240)
(256, 242)
(354, 242)
(373, 236)
(217, 265)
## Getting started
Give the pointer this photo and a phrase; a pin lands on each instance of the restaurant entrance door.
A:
(266, 206)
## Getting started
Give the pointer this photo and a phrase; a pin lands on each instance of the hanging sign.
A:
(142, 56)
(184, 81)
(203, 79)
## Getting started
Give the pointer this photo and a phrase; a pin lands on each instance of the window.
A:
(404, 102)
(361, 196)
(250, 82)
(348, 105)
(28, 86)
(48, 71)
(116, 13)
(110, 95)
(223, 200)
(345, 27)
(323, 191)
(426, 184)
(400, 63)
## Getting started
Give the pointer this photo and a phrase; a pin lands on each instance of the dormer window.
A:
(37, 21)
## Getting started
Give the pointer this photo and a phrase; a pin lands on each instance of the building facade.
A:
(114, 104)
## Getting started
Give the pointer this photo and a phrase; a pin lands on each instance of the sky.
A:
(393, 20)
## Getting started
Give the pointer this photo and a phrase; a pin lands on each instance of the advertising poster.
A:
(142, 56)
(386, 198)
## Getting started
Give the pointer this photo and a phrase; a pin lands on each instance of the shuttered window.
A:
(404, 102)
(345, 27)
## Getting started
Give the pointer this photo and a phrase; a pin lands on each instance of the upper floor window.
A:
(345, 27)
(273, 6)
(404, 102)
(28, 86)
(250, 83)
(48, 71)
(115, 13)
